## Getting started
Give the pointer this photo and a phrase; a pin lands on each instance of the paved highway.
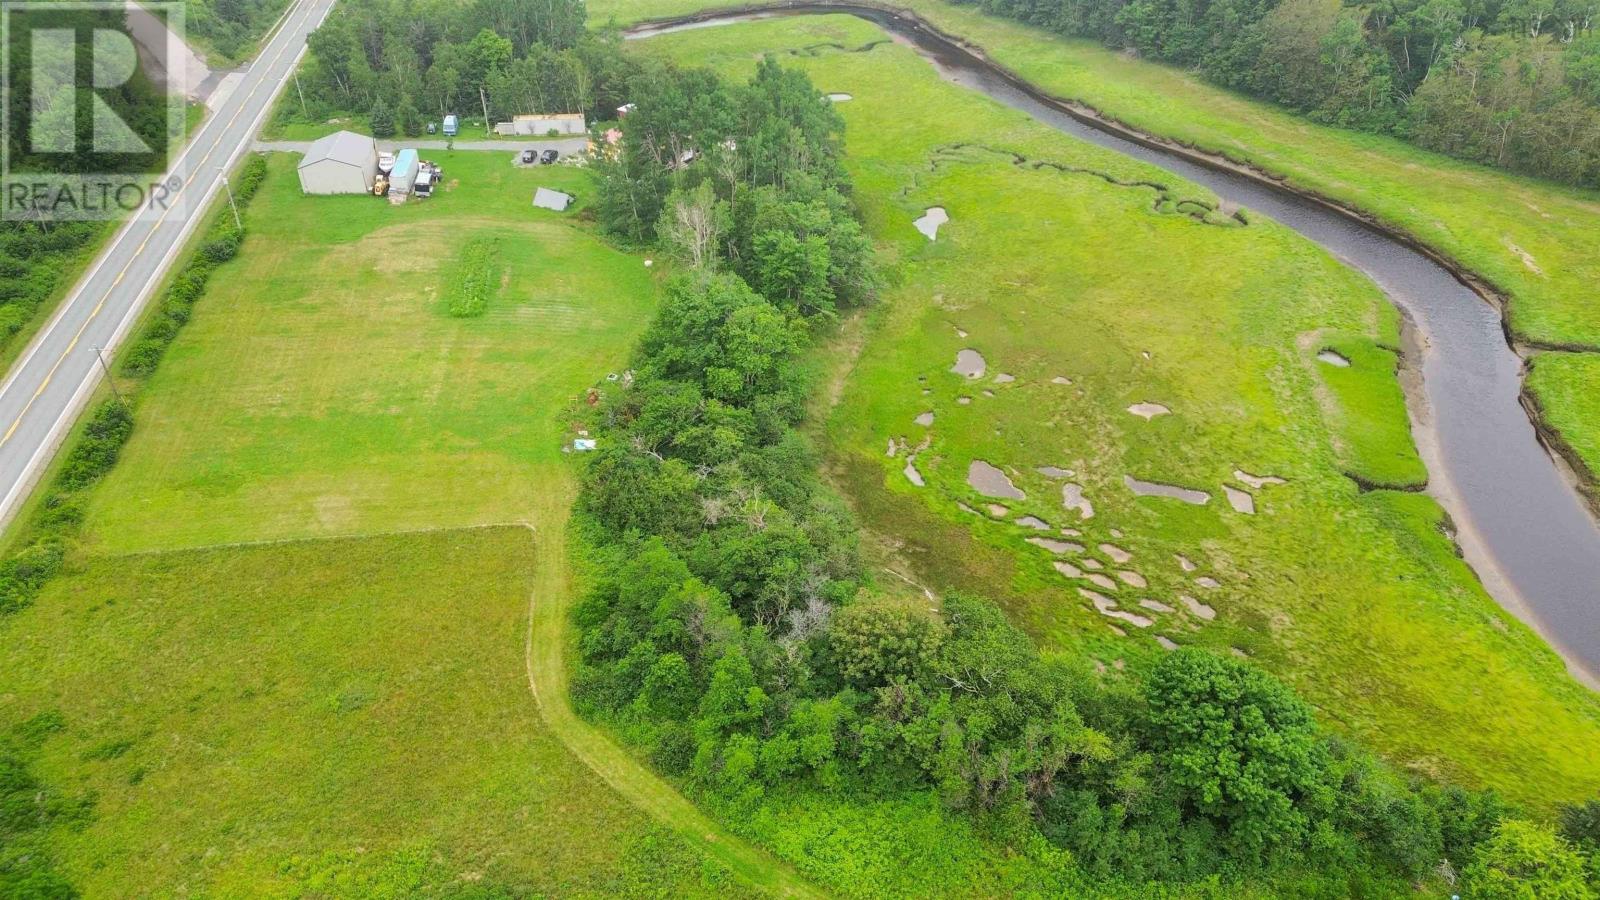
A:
(54, 377)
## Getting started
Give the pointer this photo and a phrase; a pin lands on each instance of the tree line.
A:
(231, 27)
(406, 63)
(1510, 83)
(733, 636)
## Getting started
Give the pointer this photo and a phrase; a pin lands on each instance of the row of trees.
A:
(733, 637)
(231, 27)
(1512, 83)
(406, 62)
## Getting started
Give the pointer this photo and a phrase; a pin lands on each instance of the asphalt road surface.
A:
(54, 377)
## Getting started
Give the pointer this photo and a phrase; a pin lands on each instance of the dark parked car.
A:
(548, 157)
(527, 157)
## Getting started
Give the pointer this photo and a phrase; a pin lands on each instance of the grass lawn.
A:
(382, 711)
(282, 128)
(323, 388)
(1537, 242)
(332, 718)
(1057, 273)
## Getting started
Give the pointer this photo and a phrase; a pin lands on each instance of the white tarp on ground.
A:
(548, 199)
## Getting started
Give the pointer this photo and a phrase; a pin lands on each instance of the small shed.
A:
(544, 198)
(539, 126)
(404, 173)
(340, 163)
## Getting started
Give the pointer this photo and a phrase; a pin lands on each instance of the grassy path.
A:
(547, 677)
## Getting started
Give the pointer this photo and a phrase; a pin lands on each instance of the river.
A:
(1520, 521)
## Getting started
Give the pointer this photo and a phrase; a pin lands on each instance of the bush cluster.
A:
(34, 258)
(475, 279)
(30, 809)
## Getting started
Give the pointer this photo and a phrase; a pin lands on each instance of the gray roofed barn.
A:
(340, 163)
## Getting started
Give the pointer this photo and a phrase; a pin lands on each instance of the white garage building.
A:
(341, 163)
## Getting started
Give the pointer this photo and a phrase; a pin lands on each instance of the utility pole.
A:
(302, 94)
(487, 128)
(229, 188)
(110, 382)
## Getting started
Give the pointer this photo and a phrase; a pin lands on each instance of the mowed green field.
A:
(320, 718)
(1536, 242)
(323, 389)
(285, 660)
(1055, 273)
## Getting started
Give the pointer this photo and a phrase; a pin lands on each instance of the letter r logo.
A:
(56, 91)
(92, 104)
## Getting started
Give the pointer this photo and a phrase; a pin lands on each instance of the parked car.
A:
(528, 157)
(549, 156)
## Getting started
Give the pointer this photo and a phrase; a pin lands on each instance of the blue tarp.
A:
(404, 171)
(405, 164)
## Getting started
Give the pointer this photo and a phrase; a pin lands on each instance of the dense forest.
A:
(1511, 83)
(734, 637)
(405, 64)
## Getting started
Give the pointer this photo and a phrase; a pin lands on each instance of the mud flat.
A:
(1055, 546)
(989, 481)
(1257, 481)
(1241, 501)
(912, 475)
(1148, 411)
(930, 221)
(1196, 608)
(1157, 489)
(1072, 498)
(969, 364)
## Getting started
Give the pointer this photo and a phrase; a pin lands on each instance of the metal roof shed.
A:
(340, 163)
